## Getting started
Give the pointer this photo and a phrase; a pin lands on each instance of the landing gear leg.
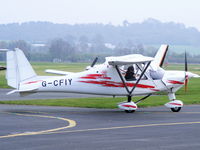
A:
(129, 98)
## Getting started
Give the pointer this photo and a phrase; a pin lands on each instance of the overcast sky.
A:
(101, 11)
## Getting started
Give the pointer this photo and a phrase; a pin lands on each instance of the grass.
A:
(103, 102)
(100, 102)
(191, 97)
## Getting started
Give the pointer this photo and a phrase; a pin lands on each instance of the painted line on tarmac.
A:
(126, 127)
(71, 123)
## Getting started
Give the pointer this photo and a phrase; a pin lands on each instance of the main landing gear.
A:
(129, 106)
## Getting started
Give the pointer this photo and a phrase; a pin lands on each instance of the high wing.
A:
(58, 72)
(128, 59)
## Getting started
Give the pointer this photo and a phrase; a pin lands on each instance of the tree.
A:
(3, 45)
(24, 46)
(61, 50)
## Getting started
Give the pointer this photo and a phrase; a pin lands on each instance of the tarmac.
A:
(50, 128)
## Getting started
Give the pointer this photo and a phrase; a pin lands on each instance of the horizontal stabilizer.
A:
(22, 90)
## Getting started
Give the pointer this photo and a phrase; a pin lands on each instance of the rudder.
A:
(18, 68)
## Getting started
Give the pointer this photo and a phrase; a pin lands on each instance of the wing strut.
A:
(123, 81)
(135, 85)
(145, 68)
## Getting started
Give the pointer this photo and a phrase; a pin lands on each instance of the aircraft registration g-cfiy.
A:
(129, 75)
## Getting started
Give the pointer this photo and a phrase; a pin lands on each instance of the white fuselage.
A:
(104, 80)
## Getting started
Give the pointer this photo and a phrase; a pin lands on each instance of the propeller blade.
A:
(186, 84)
(186, 76)
(186, 65)
(94, 62)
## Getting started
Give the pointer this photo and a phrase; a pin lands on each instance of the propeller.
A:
(94, 62)
(92, 65)
(186, 75)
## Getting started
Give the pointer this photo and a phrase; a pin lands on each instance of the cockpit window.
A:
(132, 72)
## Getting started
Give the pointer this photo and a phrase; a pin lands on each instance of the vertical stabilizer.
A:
(18, 68)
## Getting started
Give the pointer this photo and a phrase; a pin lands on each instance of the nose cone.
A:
(192, 75)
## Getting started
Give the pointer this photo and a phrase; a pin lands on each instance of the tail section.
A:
(160, 57)
(18, 68)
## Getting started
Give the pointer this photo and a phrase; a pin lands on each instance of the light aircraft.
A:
(129, 75)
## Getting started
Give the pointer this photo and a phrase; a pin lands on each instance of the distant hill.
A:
(193, 50)
(148, 32)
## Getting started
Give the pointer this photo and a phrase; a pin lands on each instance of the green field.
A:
(190, 97)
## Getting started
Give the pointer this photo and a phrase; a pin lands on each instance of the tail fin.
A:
(160, 56)
(18, 68)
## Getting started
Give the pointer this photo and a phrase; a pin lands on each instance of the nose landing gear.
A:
(174, 105)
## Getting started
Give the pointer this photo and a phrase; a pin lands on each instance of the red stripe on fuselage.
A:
(116, 84)
(96, 76)
(156, 90)
(33, 82)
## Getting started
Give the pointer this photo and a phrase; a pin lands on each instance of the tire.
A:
(129, 111)
(176, 109)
